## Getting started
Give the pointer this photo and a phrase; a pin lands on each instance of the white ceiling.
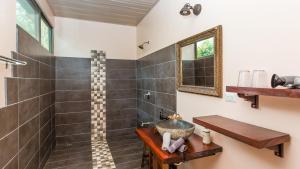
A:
(125, 12)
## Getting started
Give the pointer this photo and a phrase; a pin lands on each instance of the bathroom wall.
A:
(121, 92)
(256, 35)
(27, 134)
(73, 101)
(156, 75)
(74, 37)
(121, 113)
(8, 39)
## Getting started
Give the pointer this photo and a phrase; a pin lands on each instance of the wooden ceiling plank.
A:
(126, 12)
(101, 4)
(101, 19)
(129, 13)
(62, 11)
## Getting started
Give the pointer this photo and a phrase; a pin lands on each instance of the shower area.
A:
(96, 114)
(100, 102)
(81, 113)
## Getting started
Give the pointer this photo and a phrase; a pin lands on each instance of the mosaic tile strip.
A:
(102, 158)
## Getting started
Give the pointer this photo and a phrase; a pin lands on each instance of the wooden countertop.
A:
(196, 149)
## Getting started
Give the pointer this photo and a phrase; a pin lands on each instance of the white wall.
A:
(76, 38)
(8, 39)
(257, 35)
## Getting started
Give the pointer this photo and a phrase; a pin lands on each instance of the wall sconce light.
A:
(186, 10)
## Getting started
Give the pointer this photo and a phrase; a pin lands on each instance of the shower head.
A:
(142, 45)
(186, 10)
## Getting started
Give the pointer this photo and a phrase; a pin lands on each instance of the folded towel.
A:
(177, 144)
(182, 148)
(166, 141)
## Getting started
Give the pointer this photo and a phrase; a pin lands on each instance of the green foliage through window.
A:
(27, 17)
(205, 48)
(45, 35)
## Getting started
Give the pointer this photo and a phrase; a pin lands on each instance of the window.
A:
(31, 19)
(28, 17)
(205, 48)
(45, 35)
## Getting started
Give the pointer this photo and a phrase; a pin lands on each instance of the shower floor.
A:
(124, 145)
(77, 156)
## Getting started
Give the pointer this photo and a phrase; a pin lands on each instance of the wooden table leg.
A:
(162, 165)
(165, 166)
(150, 160)
(144, 156)
(155, 162)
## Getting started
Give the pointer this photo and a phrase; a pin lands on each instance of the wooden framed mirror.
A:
(199, 63)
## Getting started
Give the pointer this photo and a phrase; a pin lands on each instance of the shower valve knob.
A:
(147, 95)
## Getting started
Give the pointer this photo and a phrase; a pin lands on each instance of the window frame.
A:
(41, 17)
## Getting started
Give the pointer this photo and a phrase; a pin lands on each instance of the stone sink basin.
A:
(177, 128)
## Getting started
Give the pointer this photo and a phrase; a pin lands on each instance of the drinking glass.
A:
(244, 78)
(259, 79)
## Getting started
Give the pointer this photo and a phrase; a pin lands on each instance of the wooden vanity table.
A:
(160, 159)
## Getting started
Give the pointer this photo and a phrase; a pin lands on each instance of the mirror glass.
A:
(198, 63)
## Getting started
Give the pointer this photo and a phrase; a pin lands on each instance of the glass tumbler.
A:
(244, 78)
(259, 79)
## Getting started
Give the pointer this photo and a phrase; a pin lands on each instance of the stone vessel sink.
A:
(177, 128)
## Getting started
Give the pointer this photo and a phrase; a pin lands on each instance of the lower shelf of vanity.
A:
(196, 149)
(250, 134)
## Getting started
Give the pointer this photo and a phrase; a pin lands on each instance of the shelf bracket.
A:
(254, 99)
(278, 150)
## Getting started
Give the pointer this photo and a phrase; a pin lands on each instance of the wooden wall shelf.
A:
(252, 94)
(250, 134)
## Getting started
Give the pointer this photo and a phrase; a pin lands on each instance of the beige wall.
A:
(8, 35)
(257, 35)
(7, 39)
(75, 38)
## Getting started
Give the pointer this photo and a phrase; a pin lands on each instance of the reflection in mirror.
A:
(198, 63)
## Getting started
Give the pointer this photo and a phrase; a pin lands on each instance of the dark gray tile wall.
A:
(204, 72)
(72, 101)
(121, 118)
(156, 75)
(188, 72)
(27, 133)
(121, 105)
(199, 72)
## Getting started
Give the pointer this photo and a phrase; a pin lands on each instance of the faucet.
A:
(146, 123)
(147, 95)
